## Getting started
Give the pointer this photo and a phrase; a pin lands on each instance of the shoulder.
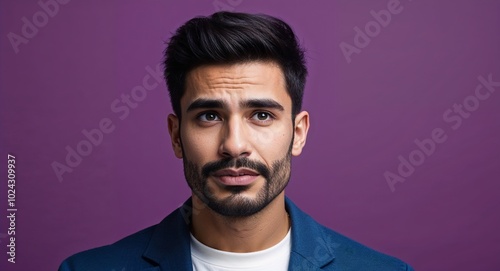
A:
(125, 253)
(352, 255)
(316, 245)
(163, 246)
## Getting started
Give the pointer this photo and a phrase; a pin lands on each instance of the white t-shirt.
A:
(274, 258)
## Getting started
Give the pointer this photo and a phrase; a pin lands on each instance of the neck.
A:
(243, 234)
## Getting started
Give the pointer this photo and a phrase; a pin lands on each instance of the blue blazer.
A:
(166, 246)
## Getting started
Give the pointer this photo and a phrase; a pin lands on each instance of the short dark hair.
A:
(229, 37)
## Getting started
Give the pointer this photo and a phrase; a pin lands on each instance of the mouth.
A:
(236, 177)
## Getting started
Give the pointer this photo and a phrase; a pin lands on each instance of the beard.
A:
(276, 178)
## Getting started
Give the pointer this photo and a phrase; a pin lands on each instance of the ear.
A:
(300, 132)
(175, 136)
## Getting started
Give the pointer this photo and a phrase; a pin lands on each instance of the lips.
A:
(238, 177)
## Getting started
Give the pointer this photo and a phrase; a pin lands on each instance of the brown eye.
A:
(209, 116)
(262, 116)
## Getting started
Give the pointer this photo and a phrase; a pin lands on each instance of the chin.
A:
(237, 189)
(240, 204)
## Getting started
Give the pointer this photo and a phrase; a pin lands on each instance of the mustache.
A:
(210, 168)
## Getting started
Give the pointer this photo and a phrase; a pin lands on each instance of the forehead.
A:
(235, 82)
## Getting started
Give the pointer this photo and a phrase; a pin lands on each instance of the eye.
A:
(208, 117)
(262, 116)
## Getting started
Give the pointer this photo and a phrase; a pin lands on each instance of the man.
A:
(236, 83)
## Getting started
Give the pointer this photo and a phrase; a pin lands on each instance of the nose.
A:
(235, 139)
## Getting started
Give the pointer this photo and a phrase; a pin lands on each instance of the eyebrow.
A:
(218, 104)
(262, 103)
(206, 104)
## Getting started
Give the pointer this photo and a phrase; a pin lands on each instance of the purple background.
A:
(364, 115)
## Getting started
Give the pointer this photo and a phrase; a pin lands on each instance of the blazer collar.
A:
(312, 247)
(170, 247)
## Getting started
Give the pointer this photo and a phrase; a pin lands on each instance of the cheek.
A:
(198, 146)
(272, 142)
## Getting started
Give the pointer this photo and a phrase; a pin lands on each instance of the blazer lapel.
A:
(170, 245)
(312, 249)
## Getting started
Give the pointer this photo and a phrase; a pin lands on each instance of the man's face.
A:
(236, 136)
